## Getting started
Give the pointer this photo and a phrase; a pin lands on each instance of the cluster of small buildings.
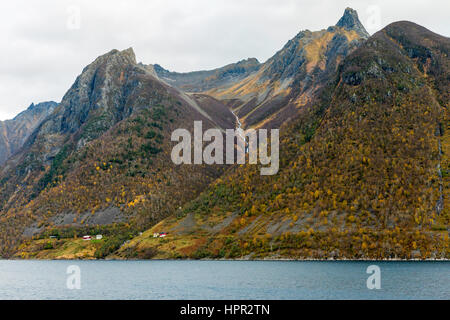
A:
(88, 238)
(99, 236)
(160, 235)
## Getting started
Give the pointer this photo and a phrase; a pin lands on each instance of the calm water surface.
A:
(223, 280)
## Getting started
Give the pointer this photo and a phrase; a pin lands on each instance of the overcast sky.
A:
(46, 44)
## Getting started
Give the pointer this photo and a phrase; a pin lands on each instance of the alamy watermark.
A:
(74, 17)
(238, 143)
(374, 280)
(73, 281)
(373, 21)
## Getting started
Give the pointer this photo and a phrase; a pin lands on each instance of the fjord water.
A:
(223, 280)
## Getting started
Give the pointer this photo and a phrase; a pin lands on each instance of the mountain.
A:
(269, 94)
(291, 78)
(363, 173)
(350, 21)
(364, 147)
(13, 133)
(103, 156)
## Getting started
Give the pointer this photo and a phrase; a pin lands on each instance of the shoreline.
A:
(243, 260)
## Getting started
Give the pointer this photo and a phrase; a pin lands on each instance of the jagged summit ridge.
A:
(46, 106)
(203, 80)
(350, 21)
(14, 132)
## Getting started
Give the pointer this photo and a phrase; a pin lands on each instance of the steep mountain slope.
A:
(364, 169)
(291, 78)
(103, 156)
(14, 133)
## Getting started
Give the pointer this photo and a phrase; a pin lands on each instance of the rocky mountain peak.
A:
(14, 132)
(47, 106)
(249, 62)
(350, 21)
(40, 110)
(129, 54)
(96, 94)
(114, 57)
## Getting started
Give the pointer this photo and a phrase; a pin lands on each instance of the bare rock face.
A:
(96, 90)
(97, 100)
(13, 133)
(313, 52)
(350, 21)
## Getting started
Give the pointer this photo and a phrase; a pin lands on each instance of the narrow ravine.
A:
(240, 130)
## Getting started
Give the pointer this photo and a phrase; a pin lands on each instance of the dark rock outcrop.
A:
(350, 21)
